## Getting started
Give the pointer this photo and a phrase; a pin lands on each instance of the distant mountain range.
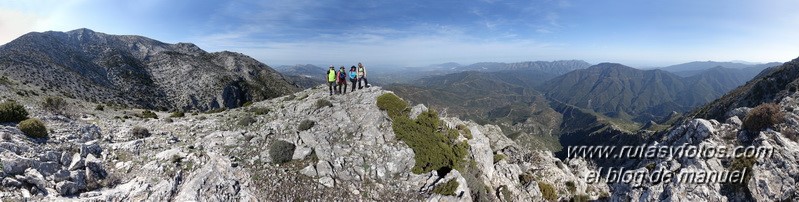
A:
(409, 75)
(304, 76)
(137, 71)
(627, 93)
(608, 100)
(693, 68)
(555, 67)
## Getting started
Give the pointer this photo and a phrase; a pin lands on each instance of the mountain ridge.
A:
(139, 71)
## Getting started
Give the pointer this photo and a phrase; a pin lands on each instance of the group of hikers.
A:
(337, 80)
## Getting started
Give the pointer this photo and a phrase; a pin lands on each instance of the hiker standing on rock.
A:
(331, 78)
(362, 76)
(353, 77)
(341, 80)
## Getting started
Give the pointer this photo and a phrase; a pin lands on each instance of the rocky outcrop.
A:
(137, 71)
(63, 166)
(772, 176)
(348, 153)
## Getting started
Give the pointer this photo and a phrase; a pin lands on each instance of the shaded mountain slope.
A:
(137, 71)
(770, 86)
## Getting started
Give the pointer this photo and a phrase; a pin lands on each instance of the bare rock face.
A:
(138, 71)
(773, 175)
(349, 153)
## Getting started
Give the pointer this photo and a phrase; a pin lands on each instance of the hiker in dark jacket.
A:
(331, 78)
(353, 77)
(341, 80)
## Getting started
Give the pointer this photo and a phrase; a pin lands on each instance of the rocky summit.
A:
(304, 146)
(136, 71)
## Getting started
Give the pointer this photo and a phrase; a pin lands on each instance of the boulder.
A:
(67, 188)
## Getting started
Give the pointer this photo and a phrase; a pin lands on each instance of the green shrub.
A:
(258, 110)
(548, 191)
(506, 193)
(33, 128)
(217, 110)
(452, 134)
(763, 116)
(395, 106)
(147, 114)
(54, 104)
(499, 157)
(140, 132)
(791, 134)
(99, 107)
(526, 178)
(247, 104)
(465, 130)
(650, 166)
(323, 103)
(571, 186)
(177, 114)
(305, 125)
(740, 164)
(447, 189)
(12, 112)
(246, 121)
(581, 198)
(281, 151)
(434, 149)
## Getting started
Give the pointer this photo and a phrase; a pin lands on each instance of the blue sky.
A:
(416, 33)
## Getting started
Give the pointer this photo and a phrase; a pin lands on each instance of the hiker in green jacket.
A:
(331, 79)
(362, 76)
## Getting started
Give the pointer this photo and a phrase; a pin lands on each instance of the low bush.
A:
(499, 157)
(246, 121)
(99, 107)
(147, 114)
(395, 106)
(247, 104)
(581, 198)
(139, 132)
(12, 112)
(33, 128)
(54, 104)
(763, 116)
(305, 125)
(465, 130)
(548, 191)
(258, 110)
(177, 114)
(571, 186)
(323, 103)
(526, 178)
(281, 151)
(742, 164)
(434, 148)
(506, 193)
(791, 134)
(447, 189)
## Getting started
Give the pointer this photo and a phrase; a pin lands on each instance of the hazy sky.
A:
(408, 32)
